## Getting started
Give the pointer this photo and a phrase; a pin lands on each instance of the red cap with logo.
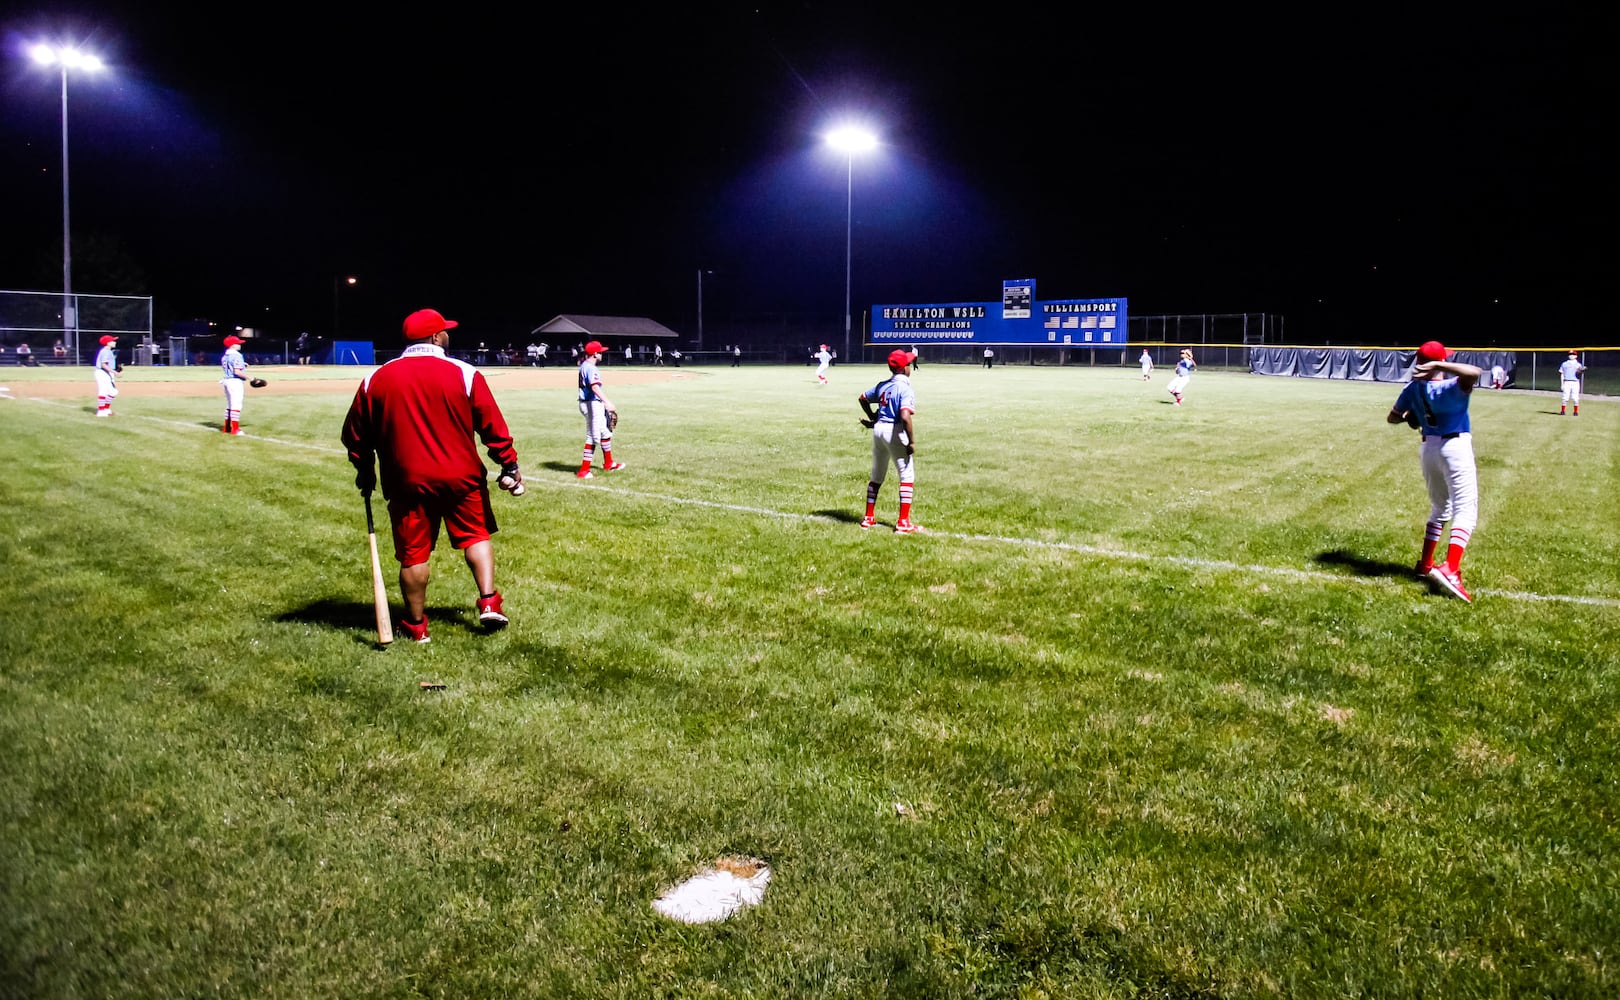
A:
(424, 323)
(595, 347)
(1433, 350)
(899, 359)
(234, 341)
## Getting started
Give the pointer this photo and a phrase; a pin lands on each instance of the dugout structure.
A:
(39, 319)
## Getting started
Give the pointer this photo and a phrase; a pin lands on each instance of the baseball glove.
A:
(613, 419)
(1413, 420)
(257, 383)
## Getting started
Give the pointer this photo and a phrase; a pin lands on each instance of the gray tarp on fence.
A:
(1367, 364)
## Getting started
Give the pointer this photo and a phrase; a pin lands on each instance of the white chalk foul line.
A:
(1217, 565)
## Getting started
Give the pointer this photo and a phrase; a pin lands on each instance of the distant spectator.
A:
(736, 357)
(302, 347)
(59, 349)
(533, 351)
(989, 358)
(629, 354)
(25, 355)
(483, 353)
(675, 356)
(658, 354)
(1498, 377)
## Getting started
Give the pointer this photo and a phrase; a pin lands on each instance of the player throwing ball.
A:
(1184, 372)
(823, 360)
(894, 437)
(1436, 402)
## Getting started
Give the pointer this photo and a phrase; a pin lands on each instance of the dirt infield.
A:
(142, 383)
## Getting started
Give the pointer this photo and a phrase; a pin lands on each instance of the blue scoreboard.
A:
(1020, 318)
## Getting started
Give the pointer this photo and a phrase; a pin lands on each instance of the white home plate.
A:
(716, 893)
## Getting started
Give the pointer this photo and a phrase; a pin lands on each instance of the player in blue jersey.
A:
(1184, 372)
(1569, 373)
(894, 437)
(1436, 401)
(595, 406)
(234, 380)
(106, 375)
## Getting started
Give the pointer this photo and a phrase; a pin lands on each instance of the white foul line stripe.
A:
(1218, 565)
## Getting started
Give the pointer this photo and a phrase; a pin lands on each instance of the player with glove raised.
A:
(601, 416)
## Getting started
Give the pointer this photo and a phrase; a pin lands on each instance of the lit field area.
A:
(1152, 708)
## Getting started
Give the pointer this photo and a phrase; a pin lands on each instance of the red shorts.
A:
(469, 519)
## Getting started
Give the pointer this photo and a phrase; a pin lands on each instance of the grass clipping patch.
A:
(717, 892)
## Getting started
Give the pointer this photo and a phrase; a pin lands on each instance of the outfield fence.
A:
(67, 329)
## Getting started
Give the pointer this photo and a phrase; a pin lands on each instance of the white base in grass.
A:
(715, 893)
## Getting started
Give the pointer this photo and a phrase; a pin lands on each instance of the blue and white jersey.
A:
(1441, 404)
(107, 359)
(589, 379)
(1184, 368)
(231, 363)
(1570, 371)
(892, 396)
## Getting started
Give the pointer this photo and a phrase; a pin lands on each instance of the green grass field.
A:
(1153, 709)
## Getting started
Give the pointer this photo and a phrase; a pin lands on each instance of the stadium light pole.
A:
(850, 140)
(701, 273)
(337, 287)
(66, 58)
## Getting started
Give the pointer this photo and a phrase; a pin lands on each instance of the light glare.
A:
(851, 139)
(50, 55)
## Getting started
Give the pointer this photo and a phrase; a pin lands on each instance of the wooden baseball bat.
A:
(379, 589)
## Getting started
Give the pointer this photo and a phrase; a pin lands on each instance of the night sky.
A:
(1374, 176)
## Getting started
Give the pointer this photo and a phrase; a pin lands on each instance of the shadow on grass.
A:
(560, 466)
(358, 619)
(1362, 566)
(846, 516)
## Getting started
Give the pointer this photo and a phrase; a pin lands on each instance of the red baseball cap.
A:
(595, 347)
(899, 359)
(424, 323)
(109, 339)
(233, 341)
(1433, 350)
(823, 347)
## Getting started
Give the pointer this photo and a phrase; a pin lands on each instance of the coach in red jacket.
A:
(418, 415)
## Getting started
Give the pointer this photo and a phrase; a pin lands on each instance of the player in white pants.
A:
(893, 438)
(1147, 365)
(823, 360)
(234, 381)
(1184, 371)
(106, 375)
(1437, 401)
(595, 407)
(1570, 373)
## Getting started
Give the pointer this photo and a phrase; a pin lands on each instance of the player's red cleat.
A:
(1422, 569)
(868, 521)
(905, 527)
(490, 613)
(417, 632)
(584, 474)
(1451, 583)
(615, 467)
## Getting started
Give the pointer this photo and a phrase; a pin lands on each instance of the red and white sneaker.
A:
(905, 527)
(615, 467)
(584, 474)
(1451, 583)
(1423, 569)
(417, 632)
(868, 521)
(490, 613)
